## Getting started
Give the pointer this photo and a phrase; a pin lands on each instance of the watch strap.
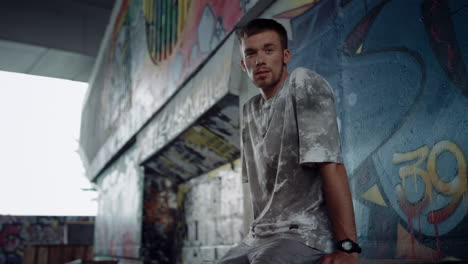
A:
(354, 246)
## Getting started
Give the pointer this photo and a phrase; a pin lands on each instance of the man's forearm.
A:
(338, 200)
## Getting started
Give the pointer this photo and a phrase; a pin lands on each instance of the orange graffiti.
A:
(431, 179)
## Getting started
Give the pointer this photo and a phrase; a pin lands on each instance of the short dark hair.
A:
(262, 24)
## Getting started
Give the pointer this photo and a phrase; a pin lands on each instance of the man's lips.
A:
(261, 74)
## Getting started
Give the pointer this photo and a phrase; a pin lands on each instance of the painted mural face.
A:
(264, 60)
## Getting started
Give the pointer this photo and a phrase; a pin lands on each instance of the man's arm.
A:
(340, 207)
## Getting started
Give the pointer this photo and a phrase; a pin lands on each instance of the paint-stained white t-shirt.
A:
(283, 138)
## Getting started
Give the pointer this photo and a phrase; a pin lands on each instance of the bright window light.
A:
(41, 172)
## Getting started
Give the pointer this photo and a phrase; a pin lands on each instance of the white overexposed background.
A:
(40, 169)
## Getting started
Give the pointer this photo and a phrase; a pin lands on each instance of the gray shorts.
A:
(278, 251)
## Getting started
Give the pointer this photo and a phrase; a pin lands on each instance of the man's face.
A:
(264, 60)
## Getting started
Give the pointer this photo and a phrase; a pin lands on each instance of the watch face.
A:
(347, 245)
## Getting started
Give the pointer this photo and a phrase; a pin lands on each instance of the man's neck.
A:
(269, 92)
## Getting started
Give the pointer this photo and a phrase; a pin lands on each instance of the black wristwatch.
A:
(348, 246)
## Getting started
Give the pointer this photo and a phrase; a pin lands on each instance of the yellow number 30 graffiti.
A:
(454, 188)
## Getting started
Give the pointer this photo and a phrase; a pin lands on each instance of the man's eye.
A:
(269, 50)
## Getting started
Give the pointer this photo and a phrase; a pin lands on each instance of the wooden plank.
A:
(69, 254)
(29, 255)
(56, 254)
(89, 252)
(42, 255)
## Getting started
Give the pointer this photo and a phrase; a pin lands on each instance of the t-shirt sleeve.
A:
(319, 139)
(244, 175)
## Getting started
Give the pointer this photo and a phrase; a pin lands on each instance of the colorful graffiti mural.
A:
(201, 122)
(401, 87)
(164, 23)
(118, 230)
(211, 142)
(18, 231)
(154, 47)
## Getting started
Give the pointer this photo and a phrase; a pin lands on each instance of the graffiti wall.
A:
(398, 70)
(118, 222)
(196, 131)
(208, 100)
(16, 232)
(401, 89)
(150, 51)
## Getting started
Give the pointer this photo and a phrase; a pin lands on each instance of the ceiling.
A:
(53, 38)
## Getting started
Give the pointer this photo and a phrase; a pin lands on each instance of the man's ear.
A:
(243, 65)
(286, 56)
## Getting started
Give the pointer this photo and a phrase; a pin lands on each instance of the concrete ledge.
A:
(390, 261)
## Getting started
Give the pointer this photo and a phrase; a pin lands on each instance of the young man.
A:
(303, 211)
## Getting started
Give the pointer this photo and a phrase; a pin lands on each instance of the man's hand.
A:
(339, 257)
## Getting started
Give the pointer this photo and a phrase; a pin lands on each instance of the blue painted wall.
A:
(398, 70)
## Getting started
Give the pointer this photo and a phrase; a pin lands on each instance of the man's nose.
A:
(260, 59)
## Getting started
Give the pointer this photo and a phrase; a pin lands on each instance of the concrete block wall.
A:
(213, 214)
